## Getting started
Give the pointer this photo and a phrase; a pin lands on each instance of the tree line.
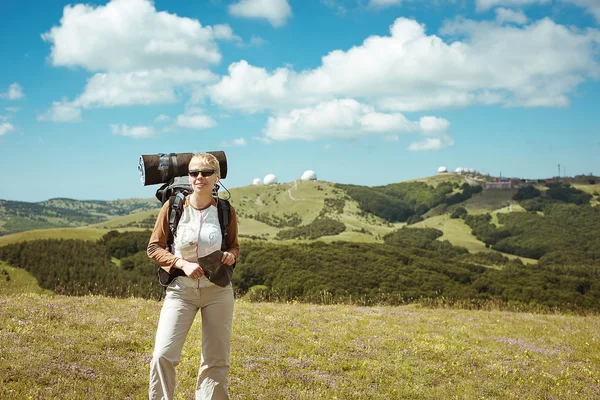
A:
(407, 201)
(411, 265)
(561, 227)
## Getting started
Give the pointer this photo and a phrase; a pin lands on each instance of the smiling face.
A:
(203, 173)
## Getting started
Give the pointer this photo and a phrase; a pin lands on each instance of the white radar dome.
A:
(257, 181)
(442, 170)
(270, 179)
(459, 170)
(309, 175)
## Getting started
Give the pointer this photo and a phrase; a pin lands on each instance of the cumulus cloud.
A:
(257, 41)
(126, 35)
(484, 5)
(14, 92)
(347, 119)
(591, 6)
(504, 15)
(62, 111)
(142, 87)
(435, 132)
(431, 143)
(538, 64)
(161, 118)
(253, 89)
(140, 56)
(224, 32)
(239, 142)
(5, 128)
(136, 132)
(194, 118)
(274, 11)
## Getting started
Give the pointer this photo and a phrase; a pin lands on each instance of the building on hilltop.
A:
(498, 185)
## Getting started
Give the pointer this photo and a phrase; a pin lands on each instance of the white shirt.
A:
(198, 235)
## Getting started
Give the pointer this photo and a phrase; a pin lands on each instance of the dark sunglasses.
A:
(204, 172)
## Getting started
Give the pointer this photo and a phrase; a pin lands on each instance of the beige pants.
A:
(182, 302)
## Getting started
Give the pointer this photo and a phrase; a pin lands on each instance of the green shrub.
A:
(459, 212)
(257, 293)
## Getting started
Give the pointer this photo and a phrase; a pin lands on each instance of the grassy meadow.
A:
(58, 347)
(306, 199)
(61, 347)
(55, 233)
(459, 234)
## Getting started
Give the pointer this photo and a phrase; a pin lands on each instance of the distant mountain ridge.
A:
(19, 216)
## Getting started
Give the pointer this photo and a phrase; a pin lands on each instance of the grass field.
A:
(94, 347)
(306, 199)
(459, 234)
(16, 280)
(435, 180)
(489, 200)
(123, 221)
(58, 233)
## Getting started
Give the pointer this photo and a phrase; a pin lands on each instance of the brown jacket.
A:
(157, 246)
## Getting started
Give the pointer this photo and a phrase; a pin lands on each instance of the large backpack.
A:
(175, 192)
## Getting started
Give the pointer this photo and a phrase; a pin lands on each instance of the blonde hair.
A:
(207, 158)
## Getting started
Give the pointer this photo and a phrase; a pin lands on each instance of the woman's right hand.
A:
(193, 270)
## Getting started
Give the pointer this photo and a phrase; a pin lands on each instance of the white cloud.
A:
(274, 11)
(505, 15)
(538, 64)
(142, 87)
(591, 6)
(347, 119)
(14, 92)
(126, 35)
(224, 32)
(239, 142)
(194, 119)
(141, 56)
(4, 117)
(62, 111)
(436, 134)
(431, 143)
(12, 109)
(257, 41)
(434, 125)
(384, 3)
(136, 132)
(5, 128)
(262, 139)
(484, 5)
(161, 118)
(253, 89)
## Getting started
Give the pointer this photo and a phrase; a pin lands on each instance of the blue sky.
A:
(368, 92)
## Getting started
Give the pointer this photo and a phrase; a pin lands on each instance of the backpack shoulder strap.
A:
(223, 211)
(175, 210)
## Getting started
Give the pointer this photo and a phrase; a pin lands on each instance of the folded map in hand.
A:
(211, 263)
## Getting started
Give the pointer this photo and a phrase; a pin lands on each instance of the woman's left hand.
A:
(228, 258)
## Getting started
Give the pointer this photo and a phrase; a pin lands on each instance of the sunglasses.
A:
(204, 172)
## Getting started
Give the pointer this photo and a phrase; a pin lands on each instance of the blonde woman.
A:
(198, 234)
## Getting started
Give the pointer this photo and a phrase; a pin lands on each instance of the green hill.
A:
(302, 211)
(19, 216)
